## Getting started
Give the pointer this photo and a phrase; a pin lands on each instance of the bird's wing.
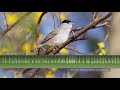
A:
(50, 36)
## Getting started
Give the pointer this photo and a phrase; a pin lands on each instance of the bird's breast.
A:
(61, 37)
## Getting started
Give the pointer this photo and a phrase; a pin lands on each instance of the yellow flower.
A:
(53, 69)
(103, 52)
(37, 15)
(100, 53)
(101, 45)
(49, 75)
(64, 51)
(11, 18)
(4, 50)
(62, 16)
(26, 48)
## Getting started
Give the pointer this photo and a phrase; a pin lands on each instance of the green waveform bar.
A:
(59, 61)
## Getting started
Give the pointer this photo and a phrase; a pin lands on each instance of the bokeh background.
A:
(21, 39)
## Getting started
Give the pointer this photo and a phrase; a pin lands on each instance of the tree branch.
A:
(5, 20)
(31, 75)
(23, 72)
(53, 20)
(80, 39)
(73, 49)
(90, 26)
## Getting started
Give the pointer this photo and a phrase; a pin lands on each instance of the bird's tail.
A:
(41, 49)
(37, 48)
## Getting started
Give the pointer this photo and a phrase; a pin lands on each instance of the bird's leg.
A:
(34, 49)
(57, 46)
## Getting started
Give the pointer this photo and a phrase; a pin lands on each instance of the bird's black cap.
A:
(66, 21)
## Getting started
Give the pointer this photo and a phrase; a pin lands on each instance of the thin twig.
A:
(109, 26)
(57, 19)
(60, 17)
(5, 20)
(101, 25)
(15, 23)
(75, 50)
(97, 26)
(7, 27)
(80, 39)
(53, 20)
(94, 15)
(97, 17)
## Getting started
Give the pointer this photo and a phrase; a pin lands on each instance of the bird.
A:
(58, 36)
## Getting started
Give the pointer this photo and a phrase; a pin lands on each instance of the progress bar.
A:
(14, 61)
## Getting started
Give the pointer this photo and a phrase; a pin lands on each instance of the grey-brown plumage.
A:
(57, 36)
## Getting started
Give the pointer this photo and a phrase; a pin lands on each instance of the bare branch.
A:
(5, 20)
(77, 29)
(75, 50)
(109, 26)
(94, 15)
(53, 20)
(80, 39)
(101, 25)
(59, 17)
